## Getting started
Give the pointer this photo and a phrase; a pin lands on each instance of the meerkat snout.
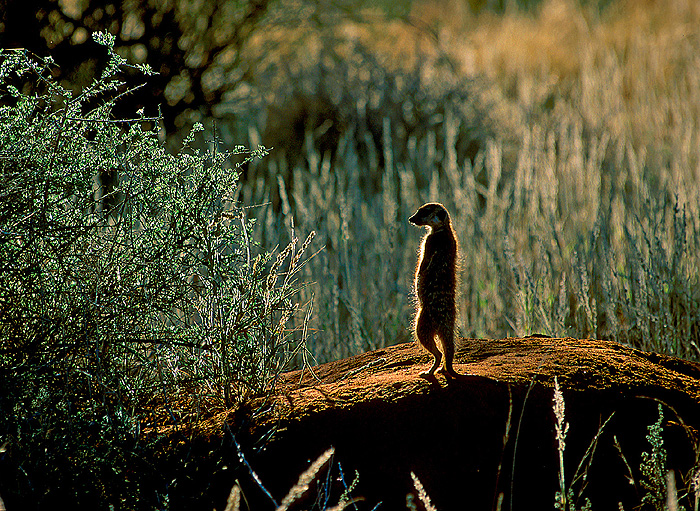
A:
(435, 286)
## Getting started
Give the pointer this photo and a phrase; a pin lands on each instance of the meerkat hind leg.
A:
(436, 363)
(426, 338)
(438, 358)
(448, 349)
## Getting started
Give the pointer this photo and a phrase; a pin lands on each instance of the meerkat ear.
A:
(441, 214)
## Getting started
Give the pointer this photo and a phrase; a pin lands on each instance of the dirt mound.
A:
(488, 433)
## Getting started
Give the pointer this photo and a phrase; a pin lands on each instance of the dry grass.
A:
(563, 140)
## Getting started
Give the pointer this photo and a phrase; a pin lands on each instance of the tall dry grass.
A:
(563, 140)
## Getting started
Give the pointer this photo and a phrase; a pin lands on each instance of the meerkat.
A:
(435, 286)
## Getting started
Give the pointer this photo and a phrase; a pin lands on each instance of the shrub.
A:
(129, 280)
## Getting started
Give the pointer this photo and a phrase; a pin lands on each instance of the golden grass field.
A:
(563, 139)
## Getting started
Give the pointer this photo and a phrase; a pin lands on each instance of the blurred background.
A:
(562, 135)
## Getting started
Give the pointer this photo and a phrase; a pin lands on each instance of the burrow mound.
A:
(485, 436)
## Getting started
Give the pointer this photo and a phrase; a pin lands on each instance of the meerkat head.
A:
(432, 214)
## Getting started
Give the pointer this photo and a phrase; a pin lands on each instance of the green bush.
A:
(130, 286)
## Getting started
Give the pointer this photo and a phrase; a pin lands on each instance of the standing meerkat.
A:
(435, 285)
